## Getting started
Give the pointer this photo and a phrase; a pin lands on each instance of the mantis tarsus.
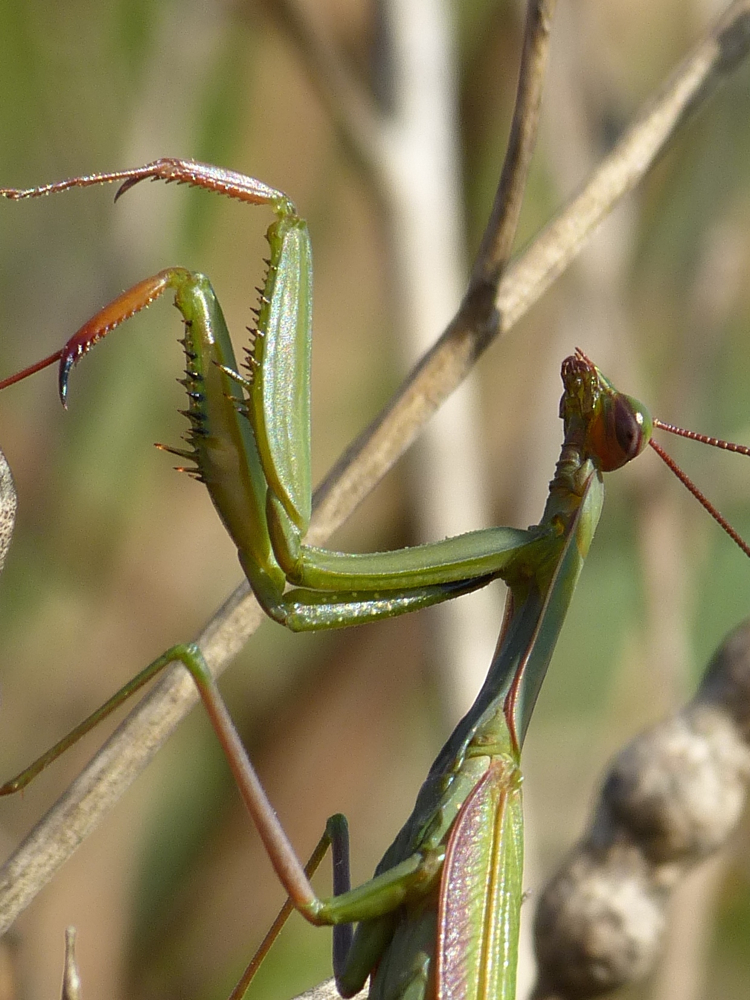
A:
(440, 917)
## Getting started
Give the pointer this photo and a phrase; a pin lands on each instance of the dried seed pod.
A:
(671, 798)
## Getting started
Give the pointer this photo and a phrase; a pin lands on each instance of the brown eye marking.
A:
(628, 427)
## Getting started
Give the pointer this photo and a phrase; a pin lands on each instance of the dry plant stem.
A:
(494, 251)
(71, 988)
(133, 745)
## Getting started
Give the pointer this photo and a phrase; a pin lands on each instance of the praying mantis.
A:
(440, 917)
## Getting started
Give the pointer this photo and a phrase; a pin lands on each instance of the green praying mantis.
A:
(440, 916)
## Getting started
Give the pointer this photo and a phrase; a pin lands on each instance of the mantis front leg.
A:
(249, 436)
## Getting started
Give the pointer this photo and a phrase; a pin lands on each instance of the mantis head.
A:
(609, 426)
(612, 428)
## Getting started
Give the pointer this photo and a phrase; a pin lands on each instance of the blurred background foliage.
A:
(116, 558)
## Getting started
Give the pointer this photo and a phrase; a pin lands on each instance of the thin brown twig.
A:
(136, 741)
(497, 241)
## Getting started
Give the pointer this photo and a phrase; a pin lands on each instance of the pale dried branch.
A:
(71, 987)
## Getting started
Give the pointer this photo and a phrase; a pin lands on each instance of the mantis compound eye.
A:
(621, 433)
(628, 423)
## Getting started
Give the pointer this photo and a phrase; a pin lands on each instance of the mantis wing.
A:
(480, 894)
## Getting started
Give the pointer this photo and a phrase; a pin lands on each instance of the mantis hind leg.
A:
(20, 781)
(335, 837)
